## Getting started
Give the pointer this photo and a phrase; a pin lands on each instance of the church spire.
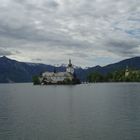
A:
(70, 63)
(70, 68)
(126, 71)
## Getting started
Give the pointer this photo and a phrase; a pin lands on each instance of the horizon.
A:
(90, 32)
(61, 64)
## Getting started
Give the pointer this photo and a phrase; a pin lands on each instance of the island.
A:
(57, 78)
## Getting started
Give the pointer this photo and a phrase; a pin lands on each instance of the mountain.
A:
(133, 63)
(15, 71)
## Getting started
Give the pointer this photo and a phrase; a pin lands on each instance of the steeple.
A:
(70, 68)
(126, 71)
(69, 63)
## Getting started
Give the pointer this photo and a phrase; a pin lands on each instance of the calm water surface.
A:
(82, 112)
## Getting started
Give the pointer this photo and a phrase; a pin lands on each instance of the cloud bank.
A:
(90, 32)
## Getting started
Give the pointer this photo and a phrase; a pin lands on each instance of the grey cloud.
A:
(78, 54)
(123, 47)
(37, 59)
(39, 5)
(52, 3)
(32, 35)
(75, 27)
(4, 52)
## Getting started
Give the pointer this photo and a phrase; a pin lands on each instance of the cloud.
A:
(4, 52)
(55, 30)
(37, 60)
(123, 47)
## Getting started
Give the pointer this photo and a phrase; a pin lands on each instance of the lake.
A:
(107, 111)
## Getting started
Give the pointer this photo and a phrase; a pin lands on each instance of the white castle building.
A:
(58, 77)
(126, 72)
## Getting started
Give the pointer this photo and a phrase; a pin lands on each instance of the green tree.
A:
(36, 80)
(95, 77)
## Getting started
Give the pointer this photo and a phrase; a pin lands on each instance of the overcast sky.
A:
(90, 32)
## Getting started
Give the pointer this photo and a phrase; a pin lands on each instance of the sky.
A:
(90, 32)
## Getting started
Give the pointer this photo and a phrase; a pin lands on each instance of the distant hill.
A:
(15, 71)
(131, 63)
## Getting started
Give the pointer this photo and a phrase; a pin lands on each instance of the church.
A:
(66, 77)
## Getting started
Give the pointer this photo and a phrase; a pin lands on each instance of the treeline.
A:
(116, 76)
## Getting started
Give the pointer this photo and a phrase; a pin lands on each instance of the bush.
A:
(36, 80)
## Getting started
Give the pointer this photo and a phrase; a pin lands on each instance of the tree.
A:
(95, 77)
(36, 80)
(116, 76)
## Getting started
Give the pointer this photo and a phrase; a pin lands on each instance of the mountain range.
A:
(12, 71)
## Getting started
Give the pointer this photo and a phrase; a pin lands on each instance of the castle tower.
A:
(70, 68)
(70, 63)
(126, 72)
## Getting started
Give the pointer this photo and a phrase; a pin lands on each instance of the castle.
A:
(129, 72)
(126, 72)
(66, 77)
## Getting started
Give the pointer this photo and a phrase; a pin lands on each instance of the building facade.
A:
(58, 77)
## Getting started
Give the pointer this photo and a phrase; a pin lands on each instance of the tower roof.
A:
(70, 64)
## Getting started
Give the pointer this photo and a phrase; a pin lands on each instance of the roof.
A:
(58, 74)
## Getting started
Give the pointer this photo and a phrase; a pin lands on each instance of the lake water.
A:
(83, 112)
